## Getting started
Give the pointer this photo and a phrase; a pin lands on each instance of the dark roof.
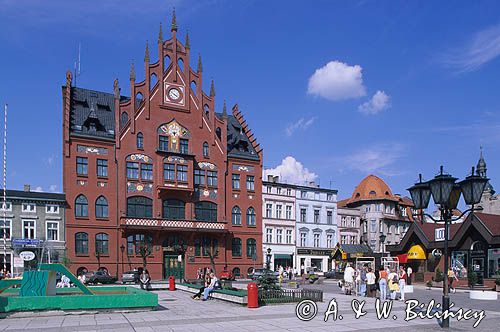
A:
(35, 195)
(355, 248)
(238, 143)
(491, 221)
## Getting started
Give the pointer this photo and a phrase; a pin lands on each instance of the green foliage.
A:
(429, 283)
(66, 261)
(268, 281)
(439, 275)
(497, 281)
(471, 277)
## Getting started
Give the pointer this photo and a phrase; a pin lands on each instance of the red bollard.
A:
(171, 283)
(252, 295)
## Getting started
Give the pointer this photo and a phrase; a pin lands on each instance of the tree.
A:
(144, 251)
(212, 252)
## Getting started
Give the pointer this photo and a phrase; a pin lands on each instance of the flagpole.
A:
(4, 206)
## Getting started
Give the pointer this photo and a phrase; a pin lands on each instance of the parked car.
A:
(99, 277)
(260, 272)
(131, 276)
(226, 275)
(330, 274)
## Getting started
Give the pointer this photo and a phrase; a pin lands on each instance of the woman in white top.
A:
(370, 283)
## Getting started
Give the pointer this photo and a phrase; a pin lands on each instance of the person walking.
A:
(382, 283)
(402, 282)
(451, 277)
(145, 280)
(348, 279)
(393, 283)
(362, 281)
(370, 283)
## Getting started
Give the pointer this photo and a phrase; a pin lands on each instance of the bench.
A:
(234, 296)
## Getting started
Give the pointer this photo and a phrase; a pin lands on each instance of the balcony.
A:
(168, 224)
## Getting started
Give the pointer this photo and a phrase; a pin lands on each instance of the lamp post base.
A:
(445, 322)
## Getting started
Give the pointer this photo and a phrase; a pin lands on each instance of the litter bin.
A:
(171, 283)
(252, 295)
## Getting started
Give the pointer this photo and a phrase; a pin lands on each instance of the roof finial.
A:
(132, 71)
(212, 89)
(146, 53)
(188, 45)
(224, 110)
(174, 21)
(200, 66)
(116, 89)
(160, 35)
(481, 164)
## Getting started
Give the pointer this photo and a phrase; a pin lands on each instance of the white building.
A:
(349, 225)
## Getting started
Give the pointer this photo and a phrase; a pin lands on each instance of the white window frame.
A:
(269, 235)
(47, 230)
(329, 240)
(9, 204)
(303, 239)
(288, 236)
(279, 210)
(316, 236)
(288, 211)
(48, 210)
(10, 228)
(24, 228)
(279, 235)
(25, 205)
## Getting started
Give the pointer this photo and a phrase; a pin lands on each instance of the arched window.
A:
(139, 206)
(251, 220)
(193, 87)
(218, 132)
(206, 211)
(166, 62)
(236, 216)
(250, 272)
(102, 243)
(174, 209)
(138, 99)
(101, 207)
(123, 119)
(139, 242)
(205, 149)
(251, 248)
(153, 79)
(174, 241)
(236, 272)
(180, 63)
(81, 206)
(236, 247)
(206, 109)
(206, 246)
(140, 141)
(81, 270)
(81, 243)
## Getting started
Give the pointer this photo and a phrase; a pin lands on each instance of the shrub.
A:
(497, 281)
(439, 276)
(429, 283)
(471, 277)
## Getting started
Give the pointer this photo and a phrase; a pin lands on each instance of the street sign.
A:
(437, 253)
(26, 242)
(439, 234)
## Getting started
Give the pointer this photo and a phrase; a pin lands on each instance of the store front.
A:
(347, 253)
(316, 260)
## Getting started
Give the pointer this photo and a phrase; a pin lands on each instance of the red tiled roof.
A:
(429, 229)
(491, 221)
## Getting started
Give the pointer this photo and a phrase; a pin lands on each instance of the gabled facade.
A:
(159, 177)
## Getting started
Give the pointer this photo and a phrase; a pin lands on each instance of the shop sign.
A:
(439, 234)
(26, 242)
(18, 262)
(27, 255)
(437, 253)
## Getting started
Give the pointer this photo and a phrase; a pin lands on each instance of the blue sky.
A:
(345, 88)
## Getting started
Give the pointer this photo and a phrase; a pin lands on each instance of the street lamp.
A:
(98, 256)
(122, 249)
(382, 241)
(268, 259)
(446, 194)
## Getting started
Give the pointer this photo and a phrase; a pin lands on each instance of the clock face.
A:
(174, 94)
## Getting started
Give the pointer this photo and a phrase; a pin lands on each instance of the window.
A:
(147, 172)
(123, 119)
(303, 215)
(398, 229)
(278, 191)
(251, 219)
(316, 240)
(50, 208)
(377, 208)
(236, 181)
(163, 143)
(212, 178)
(182, 171)
(101, 207)
(138, 206)
(137, 241)
(329, 197)
(343, 221)
(365, 226)
(236, 216)
(206, 211)
(303, 194)
(140, 141)
(353, 222)
(183, 146)
(218, 132)
(278, 211)
(251, 248)
(132, 170)
(52, 231)
(5, 228)
(269, 235)
(316, 216)
(199, 177)
(288, 236)
(236, 272)
(289, 192)
(329, 217)
(81, 165)
(236, 247)
(329, 240)
(303, 237)
(269, 189)
(205, 150)
(169, 172)
(102, 167)
(81, 243)
(269, 210)
(81, 206)
(29, 229)
(373, 225)
(101, 243)
(174, 209)
(353, 239)
(250, 183)
(343, 239)
(7, 206)
(279, 236)
(288, 212)
(28, 207)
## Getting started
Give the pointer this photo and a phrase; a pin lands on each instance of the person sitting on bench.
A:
(211, 286)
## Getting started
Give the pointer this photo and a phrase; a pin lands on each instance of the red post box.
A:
(252, 295)
(171, 283)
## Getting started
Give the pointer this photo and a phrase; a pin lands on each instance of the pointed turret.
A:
(481, 164)
(116, 89)
(174, 21)
(187, 44)
(224, 110)
(132, 71)
(200, 66)
(160, 35)
(146, 53)
(212, 89)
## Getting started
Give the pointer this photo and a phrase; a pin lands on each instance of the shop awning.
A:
(416, 252)
(403, 258)
(282, 256)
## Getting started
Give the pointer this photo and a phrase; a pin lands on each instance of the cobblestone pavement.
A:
(178, 312)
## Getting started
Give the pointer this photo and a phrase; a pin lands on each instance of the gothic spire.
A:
(174, 21)
(481, 164)
(187, 44)
(212, 89)
(132, 71)
(224, 110)
(146, 53)
(160, 35)
(200, 66)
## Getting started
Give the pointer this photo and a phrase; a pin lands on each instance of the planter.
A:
(483, 295)
(497, 287)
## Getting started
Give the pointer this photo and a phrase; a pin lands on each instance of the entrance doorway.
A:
(172, 266)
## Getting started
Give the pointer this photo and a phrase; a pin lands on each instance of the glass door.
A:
(173, 267)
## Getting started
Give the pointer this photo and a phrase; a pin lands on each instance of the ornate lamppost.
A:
(122, 249)
(268, 259)
(446, 194)
(382, 238)
(98, 256)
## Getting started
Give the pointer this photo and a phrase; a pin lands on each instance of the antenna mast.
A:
(78, 63)
(4, 205)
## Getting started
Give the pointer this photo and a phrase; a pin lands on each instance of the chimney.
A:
(312, 184)
(27, 187)
(269, 178)
(276, 179)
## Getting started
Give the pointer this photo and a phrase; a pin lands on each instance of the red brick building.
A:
(160, 175)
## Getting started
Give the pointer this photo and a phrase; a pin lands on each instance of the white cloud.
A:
(291, 171)
(483, 47)
(378, 103)
(53, 188)
(376, 158)
(337, 81)
(39, 189)
(301, 124)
